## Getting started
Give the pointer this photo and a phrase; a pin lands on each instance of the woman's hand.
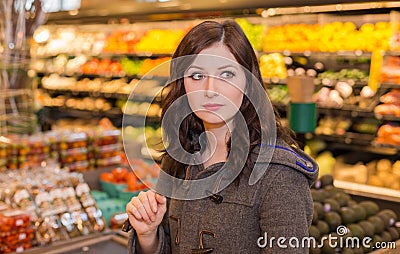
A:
(146, 212)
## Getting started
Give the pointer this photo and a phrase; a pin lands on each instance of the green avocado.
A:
(387, 219)
(331, 205)
(326, 180)
(361, 214)
(368, 227)
(356, 230)
(347, 251)
(315, 250)
(394, 233)
(358, 250)
(378, 224)
(314, 232)
(330, 191)
(351, 203)
(390, 212)
(348, 215)
(342, 198)
(326, 248)
(317, 195)
(320, 209)
(375, 239)
(371, 208)
(315, 216)
(333, 219)
(386, 236)
(323, 227)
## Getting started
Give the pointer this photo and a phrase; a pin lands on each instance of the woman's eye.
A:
(227, 74)
(197, 76)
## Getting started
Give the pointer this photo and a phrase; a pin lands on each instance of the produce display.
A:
(160, 41)
(343, 95)
(124, 184)
(329, 78)
(94, 86)
(384, 173)
(390, 104)
(329, 37)
(148, 136)
(254, 32)
(333, 125)
(390, 70)
(330, 125)
(105, 66)
(337, 214)
(50, 41)
(273, 66)
(278, 94)
(16, 233)
(75, 150)
(55, 205)
(388, 134)
(122, 41)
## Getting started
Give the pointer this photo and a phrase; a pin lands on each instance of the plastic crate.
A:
(111, 206)
(126, 195)
(99, 195)
(112, 189)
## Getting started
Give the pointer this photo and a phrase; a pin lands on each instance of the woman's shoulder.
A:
(282, 162)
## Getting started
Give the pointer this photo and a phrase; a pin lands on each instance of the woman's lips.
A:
(212, 106)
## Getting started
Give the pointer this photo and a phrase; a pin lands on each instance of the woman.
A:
(215, 76)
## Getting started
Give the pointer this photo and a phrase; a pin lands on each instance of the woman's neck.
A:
(216, 150)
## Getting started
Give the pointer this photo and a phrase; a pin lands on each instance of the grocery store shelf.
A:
(352, 111)
(105, 76)
(319, 82)
(368, 190)
(307, 53)
(93, 94)
(108, 55)
(390, 86)
(87, 114)
(109, 241)
(349, 138)
(371, 148)
(387, 117)
(274, 81)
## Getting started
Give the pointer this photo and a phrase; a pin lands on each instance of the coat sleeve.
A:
(285, 211)
(164, 243)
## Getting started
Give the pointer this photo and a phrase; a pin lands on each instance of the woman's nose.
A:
(209, 90)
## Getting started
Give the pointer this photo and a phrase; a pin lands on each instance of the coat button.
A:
(309, 164)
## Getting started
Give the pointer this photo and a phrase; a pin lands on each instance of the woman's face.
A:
(215, 85)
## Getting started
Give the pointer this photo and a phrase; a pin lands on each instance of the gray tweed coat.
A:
(250, 218)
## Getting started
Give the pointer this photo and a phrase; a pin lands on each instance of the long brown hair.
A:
(200, 37)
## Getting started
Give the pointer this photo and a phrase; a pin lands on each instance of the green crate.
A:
(112, 189)
(126, 195)
(99, 195)
(111, 206)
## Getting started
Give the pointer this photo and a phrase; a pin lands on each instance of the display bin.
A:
(99, 195)
(111, 206)
(112, 189)
(126, 195)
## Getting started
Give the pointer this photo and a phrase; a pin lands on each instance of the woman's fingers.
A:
(160, 199)
(145, 197)
(151, 195)
(148, 207)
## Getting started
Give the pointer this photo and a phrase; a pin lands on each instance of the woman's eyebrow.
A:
(195, 67)
(227, 66)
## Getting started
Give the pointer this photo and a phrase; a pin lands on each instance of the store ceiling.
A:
(141, 9)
